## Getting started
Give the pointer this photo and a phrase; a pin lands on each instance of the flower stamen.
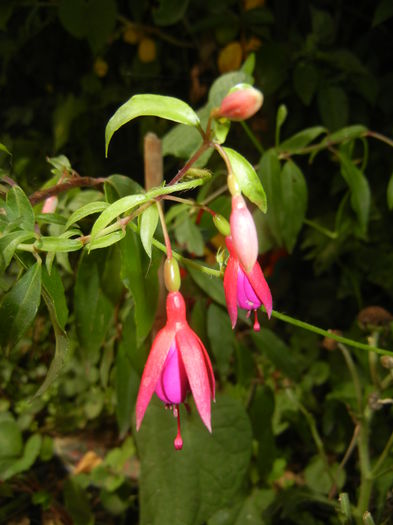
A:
(178, 439)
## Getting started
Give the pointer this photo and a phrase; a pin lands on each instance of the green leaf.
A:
(154, 105)
(383, 12)
(301, 139)
(169, 12)
(211, 285)
(84, 211)
(18, 207)
(345, 134)
(142, 285)
(360, 190)
(19, 306)
(58, 244)
(77, 503)
(126, 384)
(305, 81)
(148, 225)
(221, 337)
(389, 193)
(333, 107)
(5, 149)
(287, 194)
(126, 204)
(188, 234)
(30, 454)
(93, 309)
(281, 117)
(54, 287)
(247, 179)
(117, 186)
(188, 487)
(106, 240)
(11, 442)
(92, 19)
(9, 243)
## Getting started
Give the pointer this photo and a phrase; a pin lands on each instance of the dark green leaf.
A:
(271, 346)
(155, 105)
(345, 134)
(389, 193)
(169, 12)
(305, 82)
(301, 139)
(93, 309)
(189, 235)
(188, 487)
(19, 306)
(11, 442)
(4, 148)
(323, 25)
(221, 337)
(30, 454)
(127, 383)
(287, 194)
(261, 414)
(149, 221)
(247, 179)
(142, 281)
(272, 66)
(211, 285)
(360, 190)
(383, 12)
(333, 107)
(117, 186)
(18, 207)
(77, 503)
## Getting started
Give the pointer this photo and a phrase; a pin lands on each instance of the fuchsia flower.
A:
(241, 103)
(246, 290)
(178, 363)
(244, 233)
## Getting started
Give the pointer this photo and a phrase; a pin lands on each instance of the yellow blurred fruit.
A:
(100, 67)
(230, 57)
(131, 35)
(147, 50)
(253, 44)
(252, 4)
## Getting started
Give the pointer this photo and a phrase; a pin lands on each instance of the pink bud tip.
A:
(241, 103)
(257, 326)
(244, 233)
(178, 439)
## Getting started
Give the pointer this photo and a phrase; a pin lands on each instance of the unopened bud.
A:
(221, 224)
(244, 233)
(387, 362)
(241, 103)
(172, 275)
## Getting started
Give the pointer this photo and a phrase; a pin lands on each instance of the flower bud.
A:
(241, 103)
(244, 233)
(172, 275)
(50, 204)
(221, 224)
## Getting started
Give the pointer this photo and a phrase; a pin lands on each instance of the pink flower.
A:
(246, 290)
(244, 233)
(50, 204)
(178, 363)
(241, 103)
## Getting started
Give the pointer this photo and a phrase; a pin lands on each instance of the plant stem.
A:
(315, 329)
(189, 163)
(74, 182)
(366, 482)
(252, 137)
(321, 229)
(165, 231)
(355, 377)
(381, 459)
(224, 156)
(380, 137)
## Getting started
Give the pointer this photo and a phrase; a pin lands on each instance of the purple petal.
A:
(172, 385)
(152, 371)
(246, 297)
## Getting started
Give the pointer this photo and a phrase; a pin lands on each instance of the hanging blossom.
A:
(246, 290)
(177, 364)
(243, 232)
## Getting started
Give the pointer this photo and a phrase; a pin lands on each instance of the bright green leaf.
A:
(58, 244)
(247, 179)
(345, 134)
(148, 225)
(9, 243)
(54, 287)
(30, 454)
(281, 117)
(84, 211)
(19, 306)
(18, 207)
(155, 105)
(301, 139)
(106, 240)
(4, 148)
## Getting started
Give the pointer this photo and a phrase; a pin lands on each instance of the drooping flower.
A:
(178, 363)
(241, 103)
(243, 232)
(246, 290)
